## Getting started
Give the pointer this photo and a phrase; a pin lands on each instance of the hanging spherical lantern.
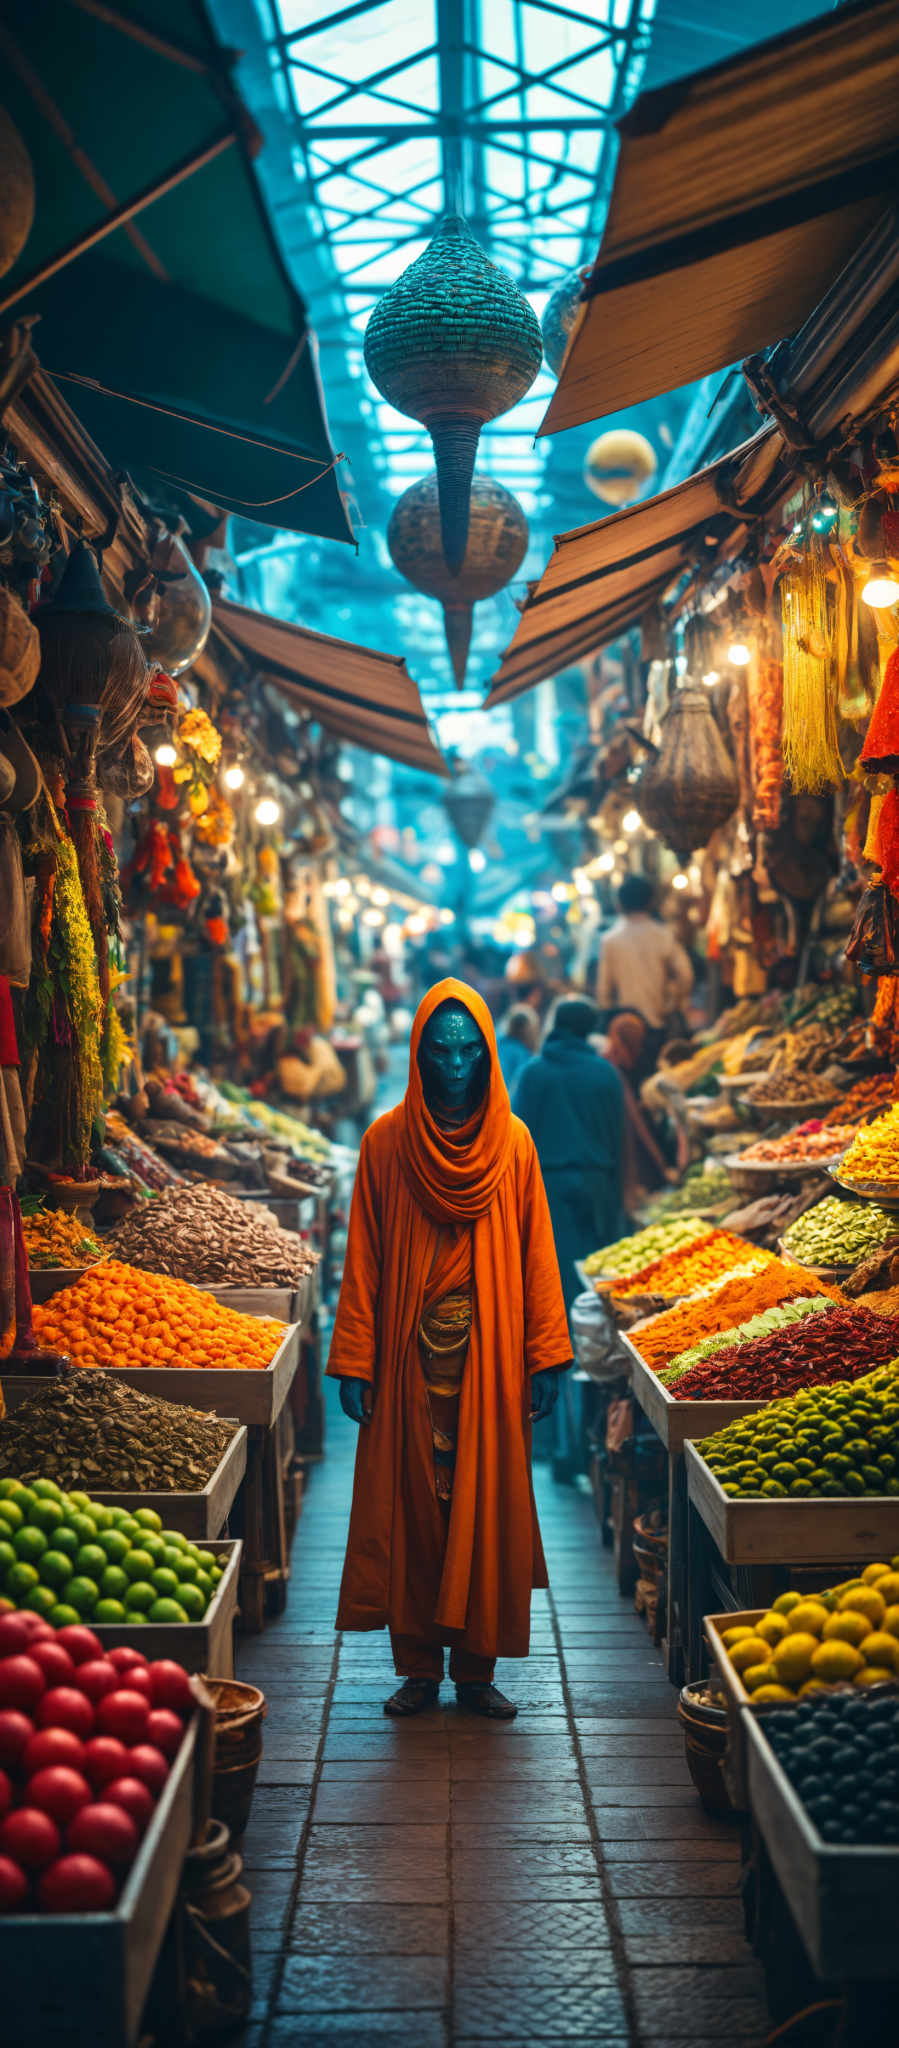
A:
(559, 315)
(619, 466)
(17, 190)
(185, 608)
(496, 547)
(689, 788)
(453, 343)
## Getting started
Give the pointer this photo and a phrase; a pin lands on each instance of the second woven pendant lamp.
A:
(496, 547)
(453, 343)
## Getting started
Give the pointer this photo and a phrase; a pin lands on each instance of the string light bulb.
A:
(234, 777)
(267, 811)
(166, 755)
(381, 897)
(477, 860)
(680, 880)
(710, 678)
(605, 863)
(631, 821)
(880, 591)
(738, 653)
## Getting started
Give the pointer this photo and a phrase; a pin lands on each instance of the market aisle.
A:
(447, 1880)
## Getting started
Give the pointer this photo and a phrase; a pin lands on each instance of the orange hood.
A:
(454, 1175)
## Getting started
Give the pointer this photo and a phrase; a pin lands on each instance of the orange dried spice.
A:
(117, 1315)
(660, 1338)
(874, 1152)
(693, 1265)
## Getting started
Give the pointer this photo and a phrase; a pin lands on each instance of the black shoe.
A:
(486, 1700)
(414, 1697)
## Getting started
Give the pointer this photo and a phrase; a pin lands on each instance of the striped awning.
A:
(601, 578)
(369, 700)
(739, 194)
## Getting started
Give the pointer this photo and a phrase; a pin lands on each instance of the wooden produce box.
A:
(286, 1304)
(291, 1212)
(820, 1530)
(844, 1899)
(83, 1977)
(737, 1700)
(197, 1515)
(675, 1421)
(249, 1394)
(206, 1645)
(45, 1281)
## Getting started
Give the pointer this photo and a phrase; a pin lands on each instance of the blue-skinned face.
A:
(453, 1062)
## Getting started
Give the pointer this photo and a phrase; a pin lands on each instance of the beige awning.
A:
(369, 700)
(601, 578)
(739, 194)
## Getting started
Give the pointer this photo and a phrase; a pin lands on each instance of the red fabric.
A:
(466, 1580)
(888, 841)
(9, 1051)
(881, 748)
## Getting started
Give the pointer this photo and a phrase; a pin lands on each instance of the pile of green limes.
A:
(71, 1560)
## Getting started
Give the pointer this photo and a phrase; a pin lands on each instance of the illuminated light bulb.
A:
(710, 678)
(738, 653)
(605, 863)
(381, 897)
(165, 755)
(447, 917)
(560, 892)
(582, 882)
(620, 846)
(234, 777)
(880, 591)
(680, 881)
(343, 886)
(373, 917)
(267, 811)
(631, 821)
(477, 861)
(345, 919)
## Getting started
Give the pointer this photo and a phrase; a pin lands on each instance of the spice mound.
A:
(118, 1316)
(791, 1085)
(53, 1237)
(874, 1152)
(836, 1233)
(628, 1254)
(842, 1345)
(693, 1266)
(91, 1431)
(834, 1440)
(201, 1234)
(811, 1144)
(761, 1325)
(661, 1338)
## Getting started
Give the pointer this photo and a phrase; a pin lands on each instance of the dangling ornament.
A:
(453, 343)
(559, 315)
(619, 466)
(497, 545)
(690, 788)
(185, 607)
(815, 652)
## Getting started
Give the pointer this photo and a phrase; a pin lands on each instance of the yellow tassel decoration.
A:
(814, 635)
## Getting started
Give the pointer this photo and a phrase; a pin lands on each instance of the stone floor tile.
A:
(534, 1870)
(535, 1928)
(371, 1929)
(582, 2011)
(406, 1770)
(382, 1804)
(348, 1863)
(369, 1983)
(360, 2029)
(654, 1880)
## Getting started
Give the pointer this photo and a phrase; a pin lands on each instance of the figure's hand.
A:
(544, 1393)
(352, 1400)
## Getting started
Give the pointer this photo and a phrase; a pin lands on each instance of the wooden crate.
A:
(675, 1421)
(84, 1977)
(844, 1900)
(810, 1531)
(249, 1394)
(206, 1645)
(736, 1699)
(45, 1281)
(197, 1515)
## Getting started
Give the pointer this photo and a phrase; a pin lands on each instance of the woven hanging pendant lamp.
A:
(690, 787)
(496, 547)
(453, 343)
(559, 315)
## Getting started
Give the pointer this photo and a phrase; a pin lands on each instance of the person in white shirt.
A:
(642, 966)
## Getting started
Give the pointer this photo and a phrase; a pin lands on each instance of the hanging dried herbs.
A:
(814, 613)
(64, 1014)
(765, 685)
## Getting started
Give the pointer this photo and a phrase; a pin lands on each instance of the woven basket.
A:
(453, 343)
(690, 787)
(496, 546)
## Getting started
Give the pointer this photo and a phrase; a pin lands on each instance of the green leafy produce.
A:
(835, 1440)
(839, 1233)
(628, 1254)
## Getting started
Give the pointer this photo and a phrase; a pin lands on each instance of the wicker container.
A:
(496, 547)
(453, 343)
(690, 788)
(705, 1742)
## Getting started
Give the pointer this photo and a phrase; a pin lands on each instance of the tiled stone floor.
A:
(450, 1881)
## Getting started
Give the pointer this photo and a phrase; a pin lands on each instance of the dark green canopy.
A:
(183, 321)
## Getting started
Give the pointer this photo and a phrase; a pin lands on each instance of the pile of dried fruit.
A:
(118, 1316)
(842, 1345)
(628, 1254)
(808, 1146)
(661, 1338)
(53, 1237)
(876, 1091)
(874, 1152)
(837, 1233)
(693, 1266)
(90, 1430)
(202, 1234)
(790, 1085)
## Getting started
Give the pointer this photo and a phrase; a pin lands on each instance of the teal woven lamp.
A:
(496, 547)
(453, 343)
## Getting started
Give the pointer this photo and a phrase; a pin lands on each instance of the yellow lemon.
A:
(891, 1620)
(759, 1674)
(751, 1650)
(866, 1600)
(808, 1618)
(771, 1627)
(835, 1660)
(771, 1692)
(888, 1587)
(873, 1573)
(847, 1628)
(793, 1657)
(881, 1648)
(870, 1675)
(785, 1602)
(813, 1685)
(735, 1635)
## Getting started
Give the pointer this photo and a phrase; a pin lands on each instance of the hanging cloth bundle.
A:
(814, 613)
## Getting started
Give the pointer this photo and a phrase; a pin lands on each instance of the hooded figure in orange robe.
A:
(447, 1211)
